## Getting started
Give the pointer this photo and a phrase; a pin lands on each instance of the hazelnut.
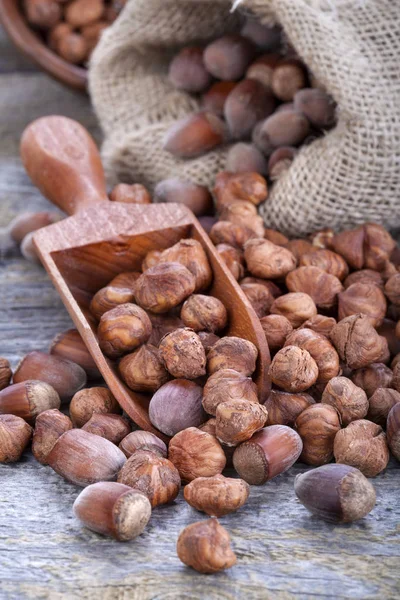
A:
(242, 212)
(283, 128)
(83, 458)
(28, 399)
(395, 361)
(214, 99)
(228, 57)
(204, 313)
(247, 186)
(387, 329)
(317, 106)
(372, 377)
(248, 103)
(279, 162)
(95, 400)
(288, 77)
(336, 493)
(126, 279)
(293, 369)
(266, 37)
(320, 324)
(276, 329)
(195, 135)
(177, 405)
(317, 426)
(265, 259)
(259, 297)
(206, 547)
(322, 238)
(262, 69)
(151, 259)
(238, 420)
(364, 276)
(187, 71)
(5, 373)
(63, 375)
(233, 258)
(183, 354)
(393, 430)
(15, 435)
(208, 339)
(189, 253)
(232, 353)
(42, 13)
(299, 247)
(196, 453)
(111, 427)
(284, 407)
(321, 350)
(328, 261)
(79, 13)
(110, 297)
(27, 222)
(113, 509)
(350, 401)
(225, 385)
(321, 286)
(225, 232)
(296, 307)
(270, 285)
(196, 197)
(216, 496)
(378, 246)
(164, 286)
(209, 426)
(122, 329)
(275, 237)
(142, 440)
(49, 426)
(161, 325)
(350, 245)
(357, 342)
(392, 289)
(363, 298)
(242, 158)
(270, 452)
(380, 404)
(69, 345)
(362, 444)
(73, 47)
(154, 476)
(143, 370)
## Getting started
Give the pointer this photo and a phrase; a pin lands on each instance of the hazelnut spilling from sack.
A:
(346, 177)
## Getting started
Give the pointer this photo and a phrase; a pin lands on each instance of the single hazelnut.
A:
(293, 369)
(317, 106)
(317, 426)
(393, 430)
(392, 289)
(357, 342)
(228, 57)
(195, 135)
(27, 222)
(164, 286)
(259, 297)
(288, 77)
(248, 103)
(363, 298)
(232, 353)
(276, 329)
(42, 13)
(209, 426)
(246, 186)
(214, 98)
(380, 404)
(187, 71)
(296, 307)
(56, 34)
(196, 197)
(387, 329)
(299, 247)
(151, 259)
(328, 261)
(111, 427)
(378, 246)
(321, 286)
(395, 361)
(362, 444)
(143, 370)
(238, 420)
(225, 385)
(216, 496)
(63, 375)
(161, 325)
(367, 276)
(321, 350)
(196, 453)
(275, 237)
(322, 238)
(372, 377)
(270, 285)
(142, 440)
(284, 407)
(5, 373)
(83, 458)
(79, 13)
(320, 324)
(267, 260)
(244, 213)
(266, 37)
(262, 69)
(183, 354)
(208, 339)
(244, 158)
(110, 297)
(130, 194)
(122, 329)
(177, 405)
(282, 129)
(279, 162)
(350, 401)
(201, 312)
(15, 434)
(191, 254)
(28, 399)
(49, 426)
(350, 245)
(225, 232)
(70, 346)
(124, 280)
(154, 476)
(233, 258)
(336, 493)
(95, 400)
(206, 547)
(73, 47)
(113, 509)
(270, 452)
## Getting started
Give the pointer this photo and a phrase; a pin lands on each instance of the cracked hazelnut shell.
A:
(206, 547)
(231, 352)
(216, 496)
(362, 444)
(225, 385)
(196, 453)
(350, 401)
(177, 405)
(143, 370)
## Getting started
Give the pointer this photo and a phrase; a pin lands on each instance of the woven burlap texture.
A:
(349, 176)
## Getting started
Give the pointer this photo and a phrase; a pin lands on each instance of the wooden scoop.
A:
(84, 252)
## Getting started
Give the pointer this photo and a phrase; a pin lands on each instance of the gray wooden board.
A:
(282, 551)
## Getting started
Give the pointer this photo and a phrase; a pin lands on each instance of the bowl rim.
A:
(13, 21)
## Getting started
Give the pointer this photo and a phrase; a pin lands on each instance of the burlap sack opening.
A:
(349, 176)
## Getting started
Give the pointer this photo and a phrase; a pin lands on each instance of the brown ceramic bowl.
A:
(25, 38)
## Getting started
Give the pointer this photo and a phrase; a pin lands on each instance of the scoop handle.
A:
(63, 161)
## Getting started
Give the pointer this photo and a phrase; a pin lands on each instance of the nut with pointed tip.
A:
(204, 313)
(187, 71)
(196, 453)
(216, 496)
(357, 342)
(177, 406)
(362, 444)
(284, 407)
(317, 426)
(276, 329)
(238, 420)
(297, 307)
(143, 370)
(5, 373)
(336, 493)
(143, 440)
(321, 286)
(328, 261)
(195, 135)
(183, 354)
(393, 430)
(320, 348)
(15, 434)
(293, 369)
(267, 260)
(233, 259)
(28, 399)
(93, 400)
(123, 329)
(49, 426)
(363, 298)
(348, 399)
(225, 385)
(372, 377)
(69, 345)
(130, 194)
(320, 324)
(164, 286)
(196, 197)
(380, 404)
(228, 57)
(111, 427)
(232, 353)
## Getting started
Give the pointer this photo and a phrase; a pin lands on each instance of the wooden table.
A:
(282, 551)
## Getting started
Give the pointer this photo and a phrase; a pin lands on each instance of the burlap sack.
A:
(349, 176)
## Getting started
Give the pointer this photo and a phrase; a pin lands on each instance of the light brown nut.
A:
(232, 353)
(243, 212)
(259, 297)
(143, 370)
(69, 345)
(196, 453)
(195, 135)
(164, 286)
(275, 237)
(279, 162)
(227, 384)
(15, 435)
(321, 286)
(357, 342)
(111, 427)
(317, 427)
(110, 297)
(364, 276)
(276, 329)
(262, 69)
(362, 444)
(297, 307)
(378, 246)
(328, 261)
(238, 420)
(350, 245)
(248, 186)
(206, 547)
(270, 285)
(350, 401)
(177, 406)
(183, 354)
(392, 289)
(204, 313)
(320, 324)
(27, 222)
(123, 329)
(293, 369)
(282, 129)
(320, 348)
(190, 254)
(5, 373)
(28, 399)
(49, 426)
(376, 375)
(393, 430)
(216, 496)
(322, 238)
(142, 440)
(95, 400)
(233, 258)
(363, 298)
(284, 407)
(267, 260)
(73, 48)
(380, 404)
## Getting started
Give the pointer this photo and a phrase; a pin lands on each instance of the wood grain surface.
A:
(282, 551)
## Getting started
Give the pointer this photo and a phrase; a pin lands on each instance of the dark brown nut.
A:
(161, 325)
(270, 452)
(267, 260)
(366, 276)
(244, 157)
(275, 237)
(196, 453)
(183, 354)
(296, 307)
(380, 404)
(385, 354)
(28, 399)
(395, 361)
(15, 435)
(228, 57)
(270, 285)
(233, 258)
(317, 426)
(293, 369)
(69, 345)
(49, 426)
(111, 427)
(350, 401)
(207, 313)
(317, 106)
(328, 261)
(187, 71)
(5, 373)
(225, 232)
(320, 324)
(387, 329)
(372, 377)
(95, 400)
(206, 547)
(246, 186)
(266, 37)
(83, 458)
(196, 197)
(110, 297)
(321, 286)
(248, 103)
(276, 329)
(262, 69)
(357, 342)
(226, 385)
(363, 298)
(322, 238)
(393, 430)
(113, 509)
(216, 496)
(284, 128)
(27, 222)
(362, 444)
(350, 245)
(238, 420)
(164, 286)
(321, 350)
(378, 246)
(392, 289)
(154, 476)
(130, 194)
(335, 493)
(280, 160)
(208, 339)
(289, 77)
(195, 135)
(143, 370)
(177, 405)
(191, 255)
(63, 375)
(214, 99)
(232, 353)
(73, 48)
(284, 407)
(142, 440)
(245, 214)
(259, 297)
(42, 13)
(299, 247)
(124, 328)
(79, 13)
